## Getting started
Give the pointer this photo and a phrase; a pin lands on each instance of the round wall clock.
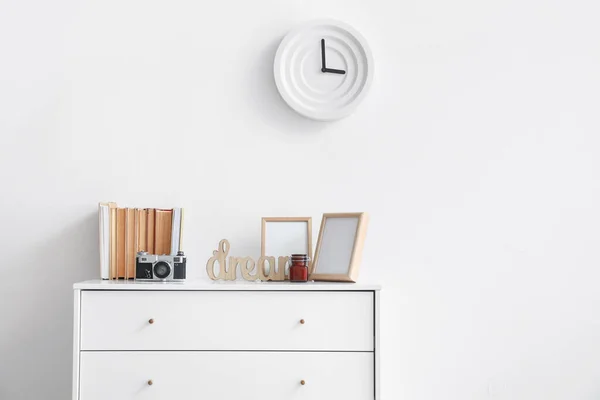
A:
(323, 69)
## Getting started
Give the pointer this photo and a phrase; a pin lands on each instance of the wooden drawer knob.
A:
(150, 382)
(151, 321)
(302, 382)
(302, 321)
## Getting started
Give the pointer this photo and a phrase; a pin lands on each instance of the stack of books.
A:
(125, 231)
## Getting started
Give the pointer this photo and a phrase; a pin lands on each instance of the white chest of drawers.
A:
(225, 341)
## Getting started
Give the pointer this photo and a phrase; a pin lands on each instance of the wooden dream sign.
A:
(249, 269)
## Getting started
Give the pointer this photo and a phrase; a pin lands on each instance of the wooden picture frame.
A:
(339, 248)
(286, 249)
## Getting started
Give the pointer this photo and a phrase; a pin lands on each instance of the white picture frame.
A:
(339, 247)
(284, 236)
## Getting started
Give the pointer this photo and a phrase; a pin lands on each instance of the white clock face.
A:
(323, 70)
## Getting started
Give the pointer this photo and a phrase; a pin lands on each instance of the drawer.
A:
(226, 376)
(205, 320)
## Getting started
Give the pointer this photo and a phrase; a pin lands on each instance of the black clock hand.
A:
(334, 71)
(323, 67)
(324, 64)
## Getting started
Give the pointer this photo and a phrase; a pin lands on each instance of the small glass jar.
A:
(299, 268)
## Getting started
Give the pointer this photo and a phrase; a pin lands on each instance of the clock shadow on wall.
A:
(319, 73)
(269, 105)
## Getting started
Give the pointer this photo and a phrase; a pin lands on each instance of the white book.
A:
(176, 230)
(104, 239)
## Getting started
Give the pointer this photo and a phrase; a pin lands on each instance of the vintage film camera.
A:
(151, 267)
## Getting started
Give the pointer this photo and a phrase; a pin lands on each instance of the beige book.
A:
(181, 231)
(113, 240)
(162, 231)
(150, 230)
(142, 229)
(130, 245)
(121, 246)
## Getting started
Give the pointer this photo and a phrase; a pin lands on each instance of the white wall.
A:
(476, 152)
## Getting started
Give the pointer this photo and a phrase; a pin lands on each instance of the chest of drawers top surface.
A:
(224, 285)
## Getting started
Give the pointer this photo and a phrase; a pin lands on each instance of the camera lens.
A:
(162, 270)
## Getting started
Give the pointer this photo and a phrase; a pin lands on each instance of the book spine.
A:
(113, 243)
(181, 230)
(121, 242)
(151, 230)
(176, 226)
(142, 230)
(103, 239)
(164, 224)
(130, 244)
